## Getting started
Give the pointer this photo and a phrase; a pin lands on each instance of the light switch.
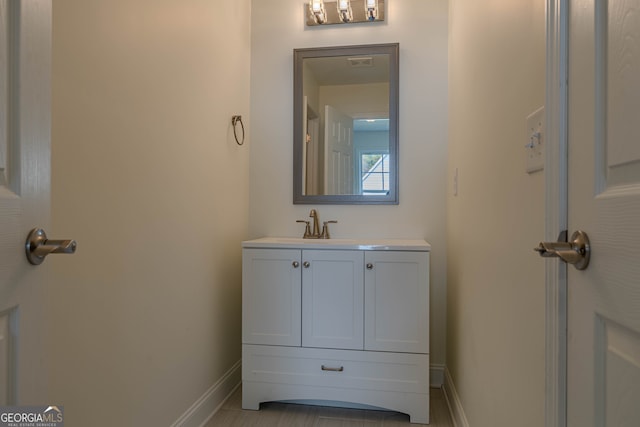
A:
(535, 139)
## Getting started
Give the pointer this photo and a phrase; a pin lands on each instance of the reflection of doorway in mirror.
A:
(311, 152)
(366, 105)
(338, 151)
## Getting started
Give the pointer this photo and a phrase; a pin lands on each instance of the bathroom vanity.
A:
(336, 322)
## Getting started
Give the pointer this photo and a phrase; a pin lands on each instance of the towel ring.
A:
(234, 121)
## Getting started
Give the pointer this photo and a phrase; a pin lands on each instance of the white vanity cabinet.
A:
(329, 321)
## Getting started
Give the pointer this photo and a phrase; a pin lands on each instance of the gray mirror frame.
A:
(299, 55)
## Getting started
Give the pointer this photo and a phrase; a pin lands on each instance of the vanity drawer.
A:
(366, 370)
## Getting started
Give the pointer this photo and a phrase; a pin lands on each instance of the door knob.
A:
(38, 246)
(576, 252)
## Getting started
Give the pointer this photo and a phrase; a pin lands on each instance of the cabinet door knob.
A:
(369, 266)
(306, 264)
(295, 264)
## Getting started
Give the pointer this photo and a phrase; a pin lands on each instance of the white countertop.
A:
(354, 244)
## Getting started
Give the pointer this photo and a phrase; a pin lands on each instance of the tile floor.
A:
(284, 415)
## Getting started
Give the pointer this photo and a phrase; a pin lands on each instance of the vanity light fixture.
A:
(327, 12)
(371, 9)
(316, 7)
(344, 10)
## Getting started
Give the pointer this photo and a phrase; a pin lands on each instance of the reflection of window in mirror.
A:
(374, 173)
(371, 145)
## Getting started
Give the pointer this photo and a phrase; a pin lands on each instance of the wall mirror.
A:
(345, 125)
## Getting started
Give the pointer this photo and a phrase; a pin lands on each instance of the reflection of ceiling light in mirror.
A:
(371, 125)
(344, 10)
(317, 11)
(362, 61)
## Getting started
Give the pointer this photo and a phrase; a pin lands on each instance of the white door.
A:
(603, 345)
(338, 157)
(25, 63)
(333, 299)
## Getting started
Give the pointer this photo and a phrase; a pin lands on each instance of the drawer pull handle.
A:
(326, 368)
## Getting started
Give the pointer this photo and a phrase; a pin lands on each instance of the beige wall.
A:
(421, 29)
(496, 309)
(148, 179)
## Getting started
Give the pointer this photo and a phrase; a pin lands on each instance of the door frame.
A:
(556, 209)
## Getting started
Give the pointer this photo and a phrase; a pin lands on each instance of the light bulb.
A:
(316, 7)
(344, 10)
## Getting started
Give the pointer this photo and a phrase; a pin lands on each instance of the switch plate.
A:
(535, 140)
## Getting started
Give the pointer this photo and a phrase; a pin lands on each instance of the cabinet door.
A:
(397, 301)
(271, 297)
(332, 299)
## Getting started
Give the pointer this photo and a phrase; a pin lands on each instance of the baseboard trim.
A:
(208, 404)
(436, 376)
(453, 401)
